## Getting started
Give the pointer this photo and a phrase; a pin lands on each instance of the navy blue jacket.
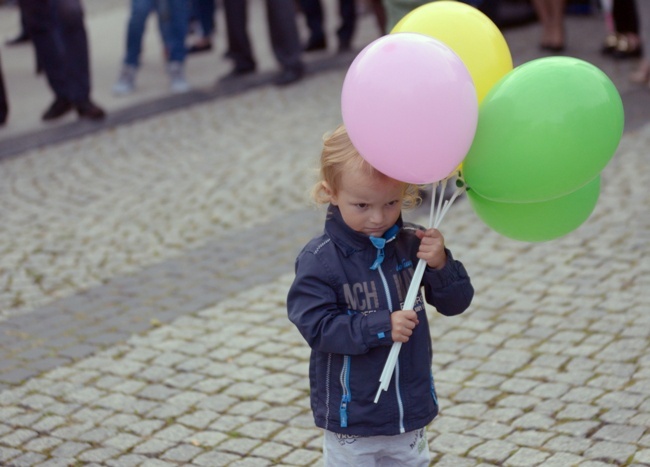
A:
(342, 308)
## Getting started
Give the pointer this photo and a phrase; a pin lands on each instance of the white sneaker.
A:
(177, 83)
(126, 82)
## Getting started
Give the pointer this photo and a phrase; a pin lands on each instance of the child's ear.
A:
(330, 193)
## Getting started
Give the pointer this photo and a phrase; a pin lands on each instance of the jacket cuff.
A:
(450, 273)
(378, 329)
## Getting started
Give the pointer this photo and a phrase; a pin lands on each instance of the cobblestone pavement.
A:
(143, 273)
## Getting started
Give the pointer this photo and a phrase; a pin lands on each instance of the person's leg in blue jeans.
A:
(179, 16)
(178, 19)
(140, 10)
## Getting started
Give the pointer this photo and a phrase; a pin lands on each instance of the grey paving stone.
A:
(27, 459)
(144, 428)
(100, 455)
(529, 438)
(271, 451)
(7, 454)
(619, 433)
(17, 375)
(128, 460)
(531, 421)
(562, 459)
(215, 459)
(610, 452)
(18, 437)
(526, 457)
(199, 419)
(57, 463)
(123, 442)
(70, 449)
(153, 447)
(494, 451)
(182, 453)
(301, 457)
(453, 443)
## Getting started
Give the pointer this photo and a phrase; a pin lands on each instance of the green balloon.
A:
(538, 222)
(545, 129)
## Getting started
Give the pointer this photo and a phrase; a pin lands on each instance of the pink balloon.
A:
(410, 107)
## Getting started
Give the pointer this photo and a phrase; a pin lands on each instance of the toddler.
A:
(346, 301)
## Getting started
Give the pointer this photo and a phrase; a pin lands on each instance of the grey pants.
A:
(406, 450)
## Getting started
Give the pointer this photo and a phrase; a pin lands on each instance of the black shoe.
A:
(288, 76)
(623, 54)
(237, 72)
(553, 48)
(198, 48)
(627, 49)
(57, 109)
(90, 111)
(21, 38)
(344, 47)
(316, 44)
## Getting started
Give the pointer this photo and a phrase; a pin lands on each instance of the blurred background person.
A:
(202, 22)
(551, 17)
(58, 33)
(4, 103)
(642, 73)
(623, 39)
(283, 32)
(313, 11)
(173, 21)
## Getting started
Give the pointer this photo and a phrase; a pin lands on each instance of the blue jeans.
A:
(173, 17)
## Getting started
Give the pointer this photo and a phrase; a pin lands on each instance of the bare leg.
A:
(551, 17)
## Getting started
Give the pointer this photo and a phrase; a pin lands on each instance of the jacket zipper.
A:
(347, 397)
(399, 400)
(400, 404)
(433, 390)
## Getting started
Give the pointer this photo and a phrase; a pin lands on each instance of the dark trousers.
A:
(625, 16)
(203, 12)
(59, 36)
(283, 31)
(313, 11)
(4, 103)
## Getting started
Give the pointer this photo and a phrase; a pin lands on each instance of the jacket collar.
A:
(348, 240)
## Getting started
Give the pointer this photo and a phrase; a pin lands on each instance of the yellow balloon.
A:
(469, 33)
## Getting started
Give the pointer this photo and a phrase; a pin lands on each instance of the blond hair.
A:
(339, 156)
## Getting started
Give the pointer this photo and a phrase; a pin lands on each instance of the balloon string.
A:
(459, 191)
(432, 210)
(443, 187)
(435, 218)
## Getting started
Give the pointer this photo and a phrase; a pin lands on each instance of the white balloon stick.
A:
(435, 218)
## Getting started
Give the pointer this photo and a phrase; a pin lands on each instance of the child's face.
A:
(369, 204)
